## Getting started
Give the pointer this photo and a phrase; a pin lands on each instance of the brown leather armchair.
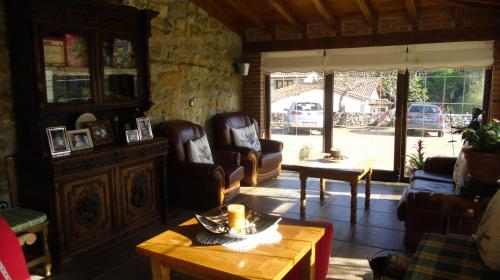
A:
(259, 166)
(198, 186)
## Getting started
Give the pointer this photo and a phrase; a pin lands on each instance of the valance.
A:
(293, 61)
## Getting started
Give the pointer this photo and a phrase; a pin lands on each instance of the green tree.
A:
(417, 89)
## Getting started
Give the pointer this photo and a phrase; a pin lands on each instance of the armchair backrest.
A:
(224, 122)
(179, 132)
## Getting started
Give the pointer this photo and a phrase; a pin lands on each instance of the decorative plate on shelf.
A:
(83, 118)
(255, 223)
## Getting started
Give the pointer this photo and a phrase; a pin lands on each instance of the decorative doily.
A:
(269, 236)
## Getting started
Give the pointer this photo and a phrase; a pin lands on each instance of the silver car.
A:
(426, 118)
(304, 114)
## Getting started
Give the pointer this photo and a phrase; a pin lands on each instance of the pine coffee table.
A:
(349, 170)
(177, 249)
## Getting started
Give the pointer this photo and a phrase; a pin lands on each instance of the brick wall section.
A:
(394, 24)
(320, 30)
(432, 21)
(256, 34)
(481, 20)
(495, 89)
(287, 33)
(356, 27)
(253, 100)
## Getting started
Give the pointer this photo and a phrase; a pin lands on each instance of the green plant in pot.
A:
(483, 151)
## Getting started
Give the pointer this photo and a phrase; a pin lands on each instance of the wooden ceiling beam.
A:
(476, 5)
(367, 11)
(246, 11)
(411, 10)
(283, 11)
(214, 11)
(322, 8)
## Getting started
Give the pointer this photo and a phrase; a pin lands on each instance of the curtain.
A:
(366, 59)
(293, 61)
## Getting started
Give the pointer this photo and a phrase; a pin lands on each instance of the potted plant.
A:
(483, 151)
(417, 161)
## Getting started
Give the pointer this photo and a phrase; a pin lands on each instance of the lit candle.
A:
(236, 216)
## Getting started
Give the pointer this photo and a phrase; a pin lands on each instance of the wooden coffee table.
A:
(349, 170)
(177, 249)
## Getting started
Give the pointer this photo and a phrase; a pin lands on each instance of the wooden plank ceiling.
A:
(267, 15)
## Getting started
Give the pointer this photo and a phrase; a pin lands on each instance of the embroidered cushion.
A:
(246, 137)
(488, 234)
(199, 151)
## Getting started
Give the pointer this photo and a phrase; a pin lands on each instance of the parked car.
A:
(426, 118)
(304, 114)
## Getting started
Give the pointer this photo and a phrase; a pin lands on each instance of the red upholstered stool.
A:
(323, 251)
(12, 262)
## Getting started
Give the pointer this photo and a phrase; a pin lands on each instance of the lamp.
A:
(242, 68)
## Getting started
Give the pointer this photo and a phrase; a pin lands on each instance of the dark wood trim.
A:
(328, 112)
(387, 39)
(488, 80)
(400, 130)
(267, 97)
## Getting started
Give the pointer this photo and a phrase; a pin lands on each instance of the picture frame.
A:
(58, 141)
(76, 50)
(144, 128)
(54, 51)
(101, 132)
(80, 139)
(123, 54)
(132, 135)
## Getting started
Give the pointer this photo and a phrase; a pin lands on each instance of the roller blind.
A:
(474, 54)
(293, 61)
(366, 59)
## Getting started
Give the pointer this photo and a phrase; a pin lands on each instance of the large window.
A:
(297, 113)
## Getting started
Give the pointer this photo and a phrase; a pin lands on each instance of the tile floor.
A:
(377, 230)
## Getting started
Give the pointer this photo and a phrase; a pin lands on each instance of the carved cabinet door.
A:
(86, 210)
(138, 193)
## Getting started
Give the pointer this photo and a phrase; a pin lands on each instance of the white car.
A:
(304, 114)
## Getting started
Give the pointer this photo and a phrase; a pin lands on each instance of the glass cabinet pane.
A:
(67, 74)
(120, 70)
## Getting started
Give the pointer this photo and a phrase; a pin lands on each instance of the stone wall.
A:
(191, 56)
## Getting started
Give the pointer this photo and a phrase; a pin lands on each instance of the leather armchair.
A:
(198, 186)
(259, 166)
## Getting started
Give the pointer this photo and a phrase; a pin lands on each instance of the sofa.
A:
(421, 214)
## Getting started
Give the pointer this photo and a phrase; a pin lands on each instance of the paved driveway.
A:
(367, 142)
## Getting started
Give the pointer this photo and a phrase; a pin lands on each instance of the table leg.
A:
(159, 271)
(368, 185)
(322, 189)
(308, 264)
(354, 200)
(303, 181)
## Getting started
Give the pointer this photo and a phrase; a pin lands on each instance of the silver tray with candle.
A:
(255, 223)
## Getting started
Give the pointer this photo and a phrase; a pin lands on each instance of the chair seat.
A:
(20, 219)
(448, 257)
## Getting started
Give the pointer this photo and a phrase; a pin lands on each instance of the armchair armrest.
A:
(440, 165)
(272, 146)
(199, 170)
(243, 151)
(227, 158)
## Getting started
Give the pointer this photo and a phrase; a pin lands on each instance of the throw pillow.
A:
(488, 234)
(199, 151)
(246, 137)
(460, 169)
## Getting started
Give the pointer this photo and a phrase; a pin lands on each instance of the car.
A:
(426, 118)
(304, 114)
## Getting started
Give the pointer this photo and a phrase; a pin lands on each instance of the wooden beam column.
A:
(253, 99)
(495, 85)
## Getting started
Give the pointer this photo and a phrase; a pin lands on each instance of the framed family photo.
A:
(58, 142)
(132, 135)
(80, 139)
(101, 132)
(144, 128)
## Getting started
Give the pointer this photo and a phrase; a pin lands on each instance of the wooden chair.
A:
(27, 224)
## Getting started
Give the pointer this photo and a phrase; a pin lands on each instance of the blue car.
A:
(425, 118)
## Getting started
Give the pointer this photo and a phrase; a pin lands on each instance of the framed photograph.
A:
(123, 54)
(76, 51)
(80, 139)
(53, 51)
(132, 135)
(58, 142)
(144, 128)
(101, 132)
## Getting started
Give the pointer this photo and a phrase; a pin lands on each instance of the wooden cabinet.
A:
(105, 193)
(70, 58)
